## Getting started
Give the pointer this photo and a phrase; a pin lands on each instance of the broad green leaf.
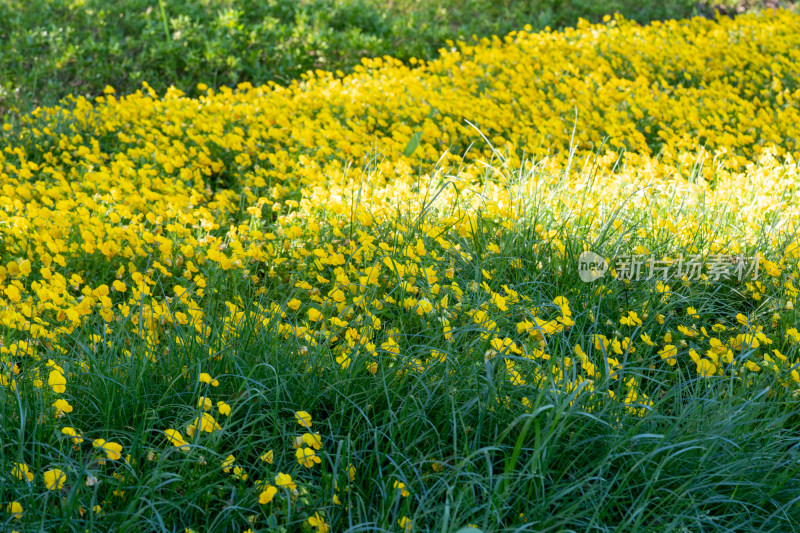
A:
(412, 145)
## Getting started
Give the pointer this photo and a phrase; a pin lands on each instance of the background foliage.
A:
(51, 48)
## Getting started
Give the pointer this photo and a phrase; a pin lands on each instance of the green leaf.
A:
(412, 145)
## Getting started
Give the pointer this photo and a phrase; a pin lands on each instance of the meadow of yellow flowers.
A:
(416, 223)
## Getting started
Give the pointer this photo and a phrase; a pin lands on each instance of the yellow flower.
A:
(22, 472)
(238, 472)
(204, 403)
(405, 524)
(267, 494)
(62, 406)
(112, 449)
(307, 457)
(402, 488)
(313, 439)
(338, 296)
(303, 418)
(57, 381)
(224, 408)
(14, 509)
(176, 438)
(205, 423)
(318, 522)
(668, 353)
(706, 368)
(206, 378)
(424, 306)
(267, 457)
(752, 366)
(284, 481)
(12, 293)
(76, 438)
(54, 479)
(632, 319)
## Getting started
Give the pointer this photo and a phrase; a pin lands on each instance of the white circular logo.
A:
(591, 266)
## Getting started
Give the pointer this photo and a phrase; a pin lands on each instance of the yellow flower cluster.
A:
(123, 185)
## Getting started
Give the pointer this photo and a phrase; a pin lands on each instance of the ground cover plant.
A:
(358, 301)
(51, 48)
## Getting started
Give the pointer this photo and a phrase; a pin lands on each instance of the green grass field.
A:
(51, 48)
